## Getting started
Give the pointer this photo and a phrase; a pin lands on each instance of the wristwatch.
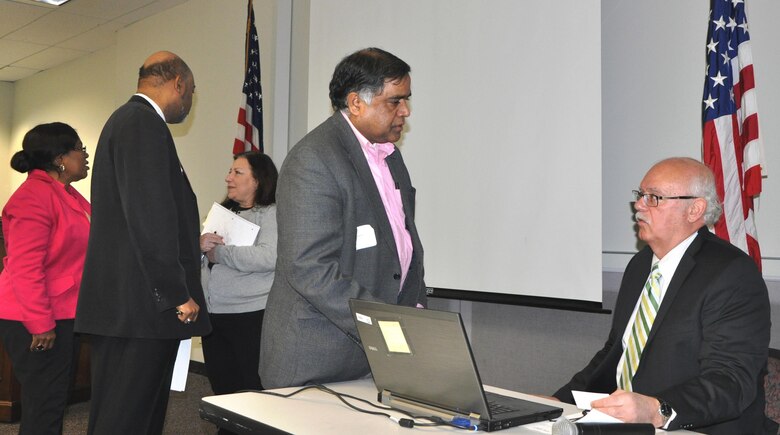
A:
(665, 410)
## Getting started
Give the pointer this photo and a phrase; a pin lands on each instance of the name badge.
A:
(366, 237)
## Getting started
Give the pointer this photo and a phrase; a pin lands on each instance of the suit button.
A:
(396, 276)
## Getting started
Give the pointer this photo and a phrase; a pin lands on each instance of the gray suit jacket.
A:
(326, 191)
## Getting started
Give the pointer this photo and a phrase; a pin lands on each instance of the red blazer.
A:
(46, 227)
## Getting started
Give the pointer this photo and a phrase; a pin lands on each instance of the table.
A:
(316, 412)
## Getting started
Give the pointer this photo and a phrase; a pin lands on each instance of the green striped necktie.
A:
(643, 322)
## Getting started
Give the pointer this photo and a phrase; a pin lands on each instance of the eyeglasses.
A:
(652, 199)
(80, 148)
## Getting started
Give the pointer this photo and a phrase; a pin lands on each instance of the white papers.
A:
(583, 399)
(234, 229)
(182, 366)
(596, 416)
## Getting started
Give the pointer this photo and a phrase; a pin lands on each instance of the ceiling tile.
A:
(54, 27)
(95, 39)
(12, 73)
(79, 27)
(148, 10)
(13, 51)
(105, 9)
(49, 58)
(14, 15)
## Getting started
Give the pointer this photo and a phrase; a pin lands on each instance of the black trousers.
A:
(45, 377)
(131, 381)
(232, 352)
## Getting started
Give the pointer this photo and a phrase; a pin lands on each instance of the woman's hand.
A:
(208, 241)
(41, 342)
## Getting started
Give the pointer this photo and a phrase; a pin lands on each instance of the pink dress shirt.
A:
(391, 197)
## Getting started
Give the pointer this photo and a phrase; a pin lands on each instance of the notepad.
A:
(234, 229)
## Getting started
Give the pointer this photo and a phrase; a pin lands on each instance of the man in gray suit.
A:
(345, 207)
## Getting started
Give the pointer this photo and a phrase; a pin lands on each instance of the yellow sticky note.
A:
(394, 336)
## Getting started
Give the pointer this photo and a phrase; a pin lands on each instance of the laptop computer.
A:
(422, 363)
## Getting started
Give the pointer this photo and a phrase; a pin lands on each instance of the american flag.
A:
(250, 114)
(731, 143)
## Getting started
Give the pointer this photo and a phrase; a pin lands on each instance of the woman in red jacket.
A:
(46, 227)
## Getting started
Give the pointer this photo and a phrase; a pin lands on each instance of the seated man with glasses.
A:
(690, 329)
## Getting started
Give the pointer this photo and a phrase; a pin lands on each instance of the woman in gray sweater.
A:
(237, 279)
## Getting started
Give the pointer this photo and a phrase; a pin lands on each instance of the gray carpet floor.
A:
(182, 417)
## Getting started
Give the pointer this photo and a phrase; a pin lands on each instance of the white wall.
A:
(6, 123)
(77, 93)
(653, 60)
(299, 71)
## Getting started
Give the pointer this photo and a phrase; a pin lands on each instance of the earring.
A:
(61, 167)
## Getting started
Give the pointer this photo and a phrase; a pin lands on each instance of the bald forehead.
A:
(672, 174)
(160, 56)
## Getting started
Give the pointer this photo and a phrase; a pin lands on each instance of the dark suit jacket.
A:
(143, 258)
(326, 191)
(707, 350)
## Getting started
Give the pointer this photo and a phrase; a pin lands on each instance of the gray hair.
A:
(368, 93)
(702, 184)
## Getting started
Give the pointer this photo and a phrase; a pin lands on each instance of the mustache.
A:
(639, 216)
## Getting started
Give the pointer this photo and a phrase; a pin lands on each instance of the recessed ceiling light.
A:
(53, 2)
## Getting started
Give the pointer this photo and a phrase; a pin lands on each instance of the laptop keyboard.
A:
(497, 408)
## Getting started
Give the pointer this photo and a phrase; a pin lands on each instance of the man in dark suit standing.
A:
(141, 292)
(690, 332)
(345, 207)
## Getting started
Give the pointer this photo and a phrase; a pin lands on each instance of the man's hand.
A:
(630, 407)
(188, 311)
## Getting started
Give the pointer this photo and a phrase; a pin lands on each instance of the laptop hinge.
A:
(418, 409)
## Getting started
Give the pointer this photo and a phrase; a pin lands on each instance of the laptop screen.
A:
(420, 354)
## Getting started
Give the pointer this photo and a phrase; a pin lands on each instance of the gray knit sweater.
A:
(240, 280)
